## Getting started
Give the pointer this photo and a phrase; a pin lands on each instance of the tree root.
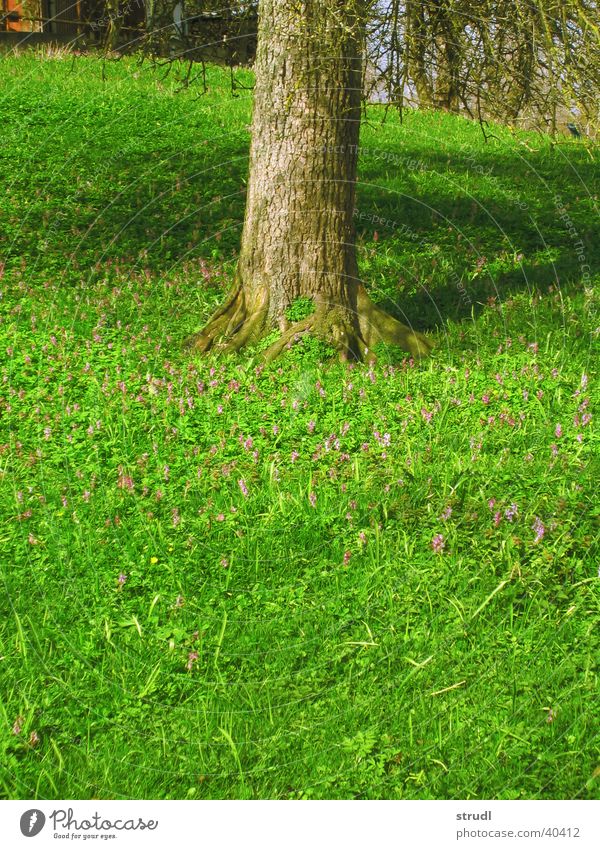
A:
(378, 326)
(288, 338)
(353, 336)
(221, 320)
(352, 333)
(232, 325)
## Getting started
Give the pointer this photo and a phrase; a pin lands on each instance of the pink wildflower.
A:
(540, 530)
(438, 543)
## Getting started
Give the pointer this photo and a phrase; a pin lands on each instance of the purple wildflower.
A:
(243, 487)
(126, 482)
(438, 543)
(540, 530)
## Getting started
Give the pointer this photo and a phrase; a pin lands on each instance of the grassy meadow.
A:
(221, 580)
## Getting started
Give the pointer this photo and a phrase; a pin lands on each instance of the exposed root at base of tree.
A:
(352, 334)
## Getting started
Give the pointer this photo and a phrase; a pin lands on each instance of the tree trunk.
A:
(417, 38)
(113, 25)
(448, 53)
(298, 236)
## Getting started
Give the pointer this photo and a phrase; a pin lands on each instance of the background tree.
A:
(503, 59)
(530, 61)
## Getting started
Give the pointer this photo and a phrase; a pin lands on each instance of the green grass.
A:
(405, 602)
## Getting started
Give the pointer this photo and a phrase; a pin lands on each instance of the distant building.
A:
(67, 17)
(213, 36)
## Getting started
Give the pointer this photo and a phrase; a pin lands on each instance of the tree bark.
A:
(417, 37)
(113, 26)
(448, 56)
(298, 236)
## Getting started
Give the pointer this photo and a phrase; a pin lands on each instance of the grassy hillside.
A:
(224, 581)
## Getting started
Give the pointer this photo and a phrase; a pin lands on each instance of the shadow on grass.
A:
(466, 229)
(448, 227)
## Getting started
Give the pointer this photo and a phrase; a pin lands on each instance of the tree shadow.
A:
(461, 231)
(452, 232)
